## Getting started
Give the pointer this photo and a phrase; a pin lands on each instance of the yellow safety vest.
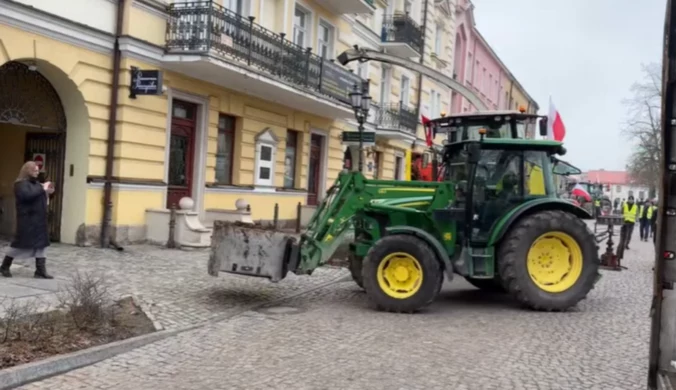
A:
(651, 210)
(629, 214)
(597, 203)
(536, 181)
(640, 211)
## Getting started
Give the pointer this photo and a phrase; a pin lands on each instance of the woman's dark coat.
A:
(31, 215)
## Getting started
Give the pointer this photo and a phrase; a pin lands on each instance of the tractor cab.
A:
(495, 175)
(496, 167)
(466, 126)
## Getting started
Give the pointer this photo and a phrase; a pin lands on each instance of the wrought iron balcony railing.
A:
(203, 27)
(401, 28)
(396, 116)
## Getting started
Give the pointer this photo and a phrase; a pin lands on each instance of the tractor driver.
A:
(507, 190)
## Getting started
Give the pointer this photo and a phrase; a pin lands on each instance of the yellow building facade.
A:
(252, 107)
(222, 129)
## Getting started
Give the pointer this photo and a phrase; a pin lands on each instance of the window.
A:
(477, 75)
(363, 70)
(325, 40)
(236, 6)
(435, 104)
(618, 188)
(641, 194)
(385, 75)
(225, 148)
(484, 80)
(405, 90)
(300, 27)
(489, 91)
(266, 145)
(438, 36)
(376, 164)
(468, 71)
(398, 168)
(507, 100)
(290, 159)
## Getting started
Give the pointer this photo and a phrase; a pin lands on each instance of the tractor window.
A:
(498, 187)
(534, 170)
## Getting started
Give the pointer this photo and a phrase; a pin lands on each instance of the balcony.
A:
(342, 7)
(395, 120)
(402, 36)
(211, 43)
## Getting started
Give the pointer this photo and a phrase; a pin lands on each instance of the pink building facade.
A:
(477, 66)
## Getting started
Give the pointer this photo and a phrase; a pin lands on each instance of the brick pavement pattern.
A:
(173, 284)
(331, 339)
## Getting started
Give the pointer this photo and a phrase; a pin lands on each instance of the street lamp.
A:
(361, 104)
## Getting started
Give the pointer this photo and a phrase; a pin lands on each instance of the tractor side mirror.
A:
(473, 153)
(543, 127)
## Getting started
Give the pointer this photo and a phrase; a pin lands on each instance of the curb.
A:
(26, 373)
(42, 369)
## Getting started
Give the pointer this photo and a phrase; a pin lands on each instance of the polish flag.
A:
(556, 130)
(579, 191)
(429, 137)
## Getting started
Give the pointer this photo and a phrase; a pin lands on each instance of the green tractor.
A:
(495, 220)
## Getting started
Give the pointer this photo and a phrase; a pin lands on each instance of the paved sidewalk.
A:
(173, 284)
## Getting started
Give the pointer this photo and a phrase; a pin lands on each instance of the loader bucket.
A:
(247, 249)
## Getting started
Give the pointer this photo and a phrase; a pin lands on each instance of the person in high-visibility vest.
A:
(629, 214)
(645, 212)
(653, 218)
(597, 207)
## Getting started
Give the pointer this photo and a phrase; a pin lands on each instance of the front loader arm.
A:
(352, 193)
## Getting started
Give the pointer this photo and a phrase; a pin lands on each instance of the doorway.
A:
(181, 151)
(32, 127)
(315, 168)
(47, 150)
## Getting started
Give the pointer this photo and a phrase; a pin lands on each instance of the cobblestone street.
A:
(173, 284)
(329, 338)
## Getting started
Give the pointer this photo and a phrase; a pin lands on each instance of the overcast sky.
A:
(586, 54)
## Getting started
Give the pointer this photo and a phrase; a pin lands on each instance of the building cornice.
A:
(42, 23)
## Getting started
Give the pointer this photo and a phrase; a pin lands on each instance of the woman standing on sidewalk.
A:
(32, 234)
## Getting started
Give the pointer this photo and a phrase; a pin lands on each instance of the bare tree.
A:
(643, 128)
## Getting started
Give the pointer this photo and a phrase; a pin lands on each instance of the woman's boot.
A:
(4, 268)
(41, 269)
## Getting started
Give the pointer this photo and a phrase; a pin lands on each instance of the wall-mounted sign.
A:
(40, 159)
(145, 82)
(337, 82)
(352, 137)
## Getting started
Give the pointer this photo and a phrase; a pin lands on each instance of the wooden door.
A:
(181, 152)
(50, 148)
(314, 177)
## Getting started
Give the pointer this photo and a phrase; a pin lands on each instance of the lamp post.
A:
(361, 104)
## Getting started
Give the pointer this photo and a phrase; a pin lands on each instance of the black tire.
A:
(355, 266)
(513, 254)
(430, 267)
(489, 285)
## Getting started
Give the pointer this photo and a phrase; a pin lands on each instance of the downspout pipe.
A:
(422, 56)
(112, 127)
(422, 60)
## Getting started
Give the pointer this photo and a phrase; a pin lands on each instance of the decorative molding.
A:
(152, 7)
(363, 32)
(51, 26)
(129, 187)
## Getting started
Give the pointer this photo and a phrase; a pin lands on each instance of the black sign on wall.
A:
(337, 82)
(145, 82)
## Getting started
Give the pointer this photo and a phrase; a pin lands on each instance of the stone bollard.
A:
(244, 210)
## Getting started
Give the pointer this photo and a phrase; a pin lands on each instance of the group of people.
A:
(645, 213)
